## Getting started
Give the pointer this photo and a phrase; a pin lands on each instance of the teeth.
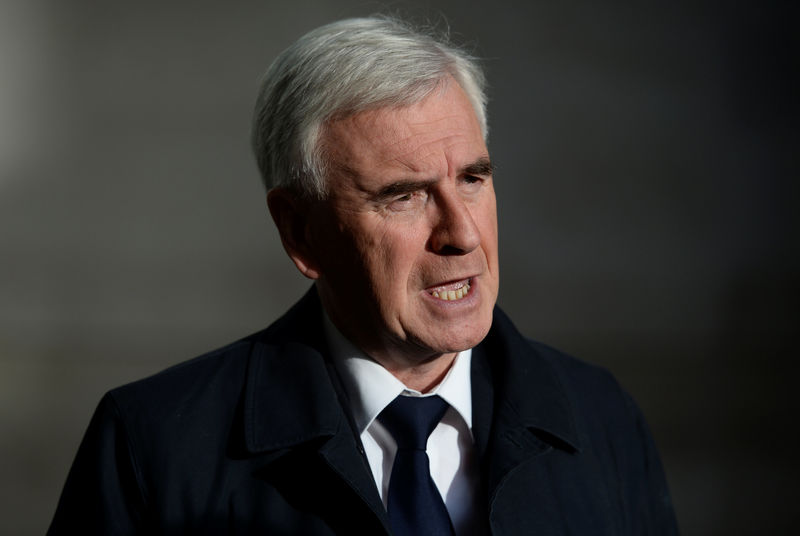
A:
(449, 295)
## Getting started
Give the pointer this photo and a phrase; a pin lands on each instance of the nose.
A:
(454, 231)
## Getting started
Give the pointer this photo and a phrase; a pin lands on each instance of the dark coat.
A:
(254, 439)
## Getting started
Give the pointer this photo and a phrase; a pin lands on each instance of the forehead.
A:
(433, 136)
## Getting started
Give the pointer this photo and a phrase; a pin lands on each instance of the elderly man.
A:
(394, 397)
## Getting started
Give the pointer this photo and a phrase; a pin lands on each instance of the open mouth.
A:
(452, 291)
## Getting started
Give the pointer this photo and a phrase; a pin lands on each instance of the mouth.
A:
(453, 291)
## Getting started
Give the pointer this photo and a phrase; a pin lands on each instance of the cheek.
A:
(490, 223)
(371, 258)
(485, 218)
(392, 259)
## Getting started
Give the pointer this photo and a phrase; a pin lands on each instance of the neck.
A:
(421, 377)
(418, 368)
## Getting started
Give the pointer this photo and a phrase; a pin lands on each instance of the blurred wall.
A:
(647, 185)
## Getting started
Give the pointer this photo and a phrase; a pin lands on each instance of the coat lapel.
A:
(294, 421)
(520, 412)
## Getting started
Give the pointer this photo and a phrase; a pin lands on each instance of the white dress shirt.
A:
(451, 448)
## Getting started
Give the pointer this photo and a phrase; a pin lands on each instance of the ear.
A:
(290, 214)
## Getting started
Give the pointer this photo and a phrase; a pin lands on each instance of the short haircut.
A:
(341, 69)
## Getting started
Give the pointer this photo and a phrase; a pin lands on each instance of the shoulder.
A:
(176, 415)
(590, 386)
(528, 362)
(572, 368)
(556, 395)
(194, 379)
(607, 420)
(539, 376)
(221, 371)
(205, 395)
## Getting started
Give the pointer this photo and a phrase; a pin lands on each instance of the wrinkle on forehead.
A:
(434, 160)
(433, 138)
(394, 139)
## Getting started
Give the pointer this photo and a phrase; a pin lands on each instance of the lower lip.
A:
(470, 299)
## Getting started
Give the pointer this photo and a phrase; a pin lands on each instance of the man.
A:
(394, 397)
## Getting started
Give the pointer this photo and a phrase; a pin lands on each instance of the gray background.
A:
(647, 189)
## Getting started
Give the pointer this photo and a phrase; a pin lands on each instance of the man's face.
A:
(406, 243)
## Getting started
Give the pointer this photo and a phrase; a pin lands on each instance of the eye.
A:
(407, 201)
(471, 183)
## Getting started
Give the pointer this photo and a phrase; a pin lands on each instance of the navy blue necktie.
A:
(415, 505)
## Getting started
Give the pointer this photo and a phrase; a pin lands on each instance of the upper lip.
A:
(467, 278)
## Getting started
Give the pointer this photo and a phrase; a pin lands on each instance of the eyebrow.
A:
(401, 188)
(481, 166)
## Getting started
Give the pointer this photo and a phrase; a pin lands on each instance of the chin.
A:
(461, 341)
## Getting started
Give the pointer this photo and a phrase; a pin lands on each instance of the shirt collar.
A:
(370, 387)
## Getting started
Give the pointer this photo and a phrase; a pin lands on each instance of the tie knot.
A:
(411, 419)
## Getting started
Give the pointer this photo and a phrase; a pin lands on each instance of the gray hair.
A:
(341, 69)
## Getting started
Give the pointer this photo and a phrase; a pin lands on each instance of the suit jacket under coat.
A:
(255, 438)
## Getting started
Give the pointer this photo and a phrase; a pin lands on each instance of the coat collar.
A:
(531, 394)
(293, 402)
(520, 407)
(290, 398)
